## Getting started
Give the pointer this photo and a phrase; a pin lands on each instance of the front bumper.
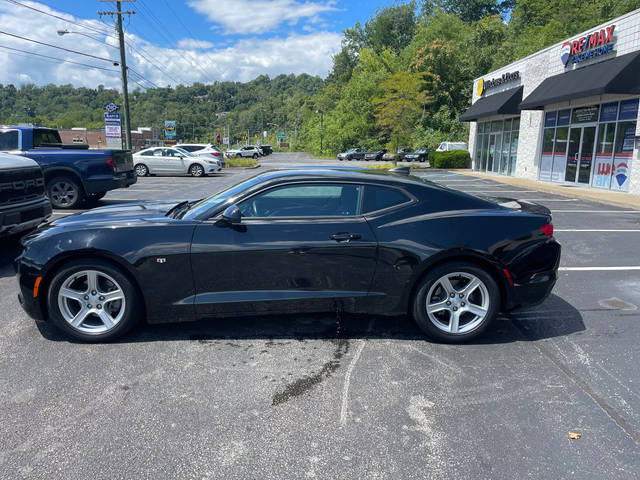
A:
(19, 218)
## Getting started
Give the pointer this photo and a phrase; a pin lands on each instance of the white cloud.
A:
(194, 44)
(240, 61)
(251, 17)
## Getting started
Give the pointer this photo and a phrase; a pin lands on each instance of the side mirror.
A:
(232, 215)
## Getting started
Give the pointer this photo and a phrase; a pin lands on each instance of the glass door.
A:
(491, 152)
(586, 154)
(571, 171)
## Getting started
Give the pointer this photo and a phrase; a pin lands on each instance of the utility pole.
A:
(123, 68)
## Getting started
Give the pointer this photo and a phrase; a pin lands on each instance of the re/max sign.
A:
(592, 45)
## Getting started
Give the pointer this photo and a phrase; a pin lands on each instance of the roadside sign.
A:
(113, 129)
(170, 129)
(225, 140)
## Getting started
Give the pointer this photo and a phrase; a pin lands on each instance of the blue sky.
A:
(179, 41)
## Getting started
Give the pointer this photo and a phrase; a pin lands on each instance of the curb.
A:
(607, 197)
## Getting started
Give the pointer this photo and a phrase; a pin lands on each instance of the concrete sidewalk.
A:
(594, 194)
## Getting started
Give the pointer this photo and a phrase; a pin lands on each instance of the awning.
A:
(619, 75)
(503, 103)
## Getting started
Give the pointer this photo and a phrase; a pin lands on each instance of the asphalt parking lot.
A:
(350, 397)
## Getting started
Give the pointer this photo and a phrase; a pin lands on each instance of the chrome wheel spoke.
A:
(446, 284)
(107, 320)
(471, 286)
(113, 296)
(72, 294)
(437, 307)
(454, 322)
(476, 310)
(79, 317)
(92, 280)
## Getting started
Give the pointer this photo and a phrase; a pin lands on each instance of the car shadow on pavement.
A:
(553, 318)
(9, 250)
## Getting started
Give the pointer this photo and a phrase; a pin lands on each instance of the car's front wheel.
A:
(93, 301)
(255, 156)
(456, 302)
(196, 170)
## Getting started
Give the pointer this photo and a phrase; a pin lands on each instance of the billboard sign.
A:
(170, 129)
(113, 129)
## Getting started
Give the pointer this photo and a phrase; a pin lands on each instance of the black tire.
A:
(132, 301)
(431, 279)
(422, 159)
(141, 170)
(349, 157)
(238, 155)
(255, 156)
(196, 170)
(65, 192)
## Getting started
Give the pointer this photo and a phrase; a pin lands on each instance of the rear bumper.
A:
(16, 219)
(104, 184)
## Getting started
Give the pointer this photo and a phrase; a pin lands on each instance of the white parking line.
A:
(594, 230)
(595, 211)
(499, 191)
(550, 199)
(598, 269)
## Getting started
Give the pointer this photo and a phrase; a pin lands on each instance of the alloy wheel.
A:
(196, 170)
(457, 303)
(91, 302)
(63, 193)
(141, 170)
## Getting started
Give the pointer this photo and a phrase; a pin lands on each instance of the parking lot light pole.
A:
(321, 127)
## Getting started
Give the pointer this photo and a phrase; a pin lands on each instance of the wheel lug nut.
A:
(93, 292)
(89, 305)
(86, 297)
(463, 304)
(461, 295)
(455, 309)
(101, 298)
(453, 294)
(448, 303)
(98, 306)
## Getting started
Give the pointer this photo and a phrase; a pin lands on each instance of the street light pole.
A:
(321, 127)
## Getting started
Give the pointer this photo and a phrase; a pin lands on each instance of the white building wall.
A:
(534, 69)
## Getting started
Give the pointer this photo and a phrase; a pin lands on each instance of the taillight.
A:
(547, 230)
(111, 163)
(215, 154)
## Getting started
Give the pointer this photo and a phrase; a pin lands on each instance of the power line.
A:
(88, 27)
(145, 79)
(59, 48)
(153, 61)
(56, 59)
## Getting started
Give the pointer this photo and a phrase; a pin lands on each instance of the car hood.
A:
(124, 212)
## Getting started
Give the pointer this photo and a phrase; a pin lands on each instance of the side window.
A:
(9, 140)
(45, 136)
(148, 153)
(377, 198)
(158, 152)
(190, 148)
(304, 200)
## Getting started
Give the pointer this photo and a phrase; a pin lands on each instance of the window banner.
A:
(558, 170)
(621, 169)
(602, 173)
(628, 109)
(546, 164)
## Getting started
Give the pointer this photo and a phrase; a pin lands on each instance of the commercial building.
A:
(143, 137)
(567, 114)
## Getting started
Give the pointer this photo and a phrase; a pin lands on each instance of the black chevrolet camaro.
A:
(298, 240)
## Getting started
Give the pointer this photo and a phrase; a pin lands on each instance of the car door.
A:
(299, 247)
(173, 161)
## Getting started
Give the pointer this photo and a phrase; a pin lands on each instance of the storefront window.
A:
(496, 126)
(625, 137)
(606, 133)
(497, 146)
(504, 158)
(547, 141)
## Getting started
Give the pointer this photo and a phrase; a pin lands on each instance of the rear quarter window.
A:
(9, 140)
(378, 198)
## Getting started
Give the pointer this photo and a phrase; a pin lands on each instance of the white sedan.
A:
(244, 151)
(172, 161)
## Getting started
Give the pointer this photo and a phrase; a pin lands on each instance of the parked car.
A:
(23, 201)
(352, 154)
(246, 151)
(204, 150)
(398, 155)
(173, 161)
(447, 146)
(420, 155)
(267, 149)
(72, 173)
(451, 260)
(375, 156)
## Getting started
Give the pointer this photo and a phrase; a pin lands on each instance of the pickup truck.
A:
(23, 203)
(72, 173)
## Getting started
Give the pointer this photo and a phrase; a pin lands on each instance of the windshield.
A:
(219, 198)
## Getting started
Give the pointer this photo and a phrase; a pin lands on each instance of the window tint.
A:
(377, 198)
(147, 153)
(191, 148)
(310, 200)
(9, 140)
(158, 152)
(45, 136)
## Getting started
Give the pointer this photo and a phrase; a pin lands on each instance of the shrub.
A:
(240, 162)
(451, 159)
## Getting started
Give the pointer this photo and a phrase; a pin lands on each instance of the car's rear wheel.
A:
(93, 301)
(142, 170)
(238, 155)
(456, 302)
(196, 170)
(255, 155)
(64, 192)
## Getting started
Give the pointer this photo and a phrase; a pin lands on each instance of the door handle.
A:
(345, 237)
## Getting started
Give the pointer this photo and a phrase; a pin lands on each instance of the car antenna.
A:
(401, 170)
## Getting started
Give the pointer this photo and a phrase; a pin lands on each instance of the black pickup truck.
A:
(72, 173)
(23, 203)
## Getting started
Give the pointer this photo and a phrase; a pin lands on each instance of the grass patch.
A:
(240, 162)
